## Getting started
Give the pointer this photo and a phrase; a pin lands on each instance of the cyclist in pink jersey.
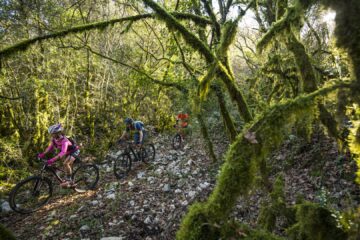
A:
(68, 150)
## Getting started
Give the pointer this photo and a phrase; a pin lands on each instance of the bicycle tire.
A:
(177, 141)
(148, 153)
(85, 177)
(122, 165)
(17, 200)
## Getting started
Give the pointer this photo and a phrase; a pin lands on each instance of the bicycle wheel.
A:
(177, 141)
(30, 194)
(148, 153)
(85, 177)
(122, 165)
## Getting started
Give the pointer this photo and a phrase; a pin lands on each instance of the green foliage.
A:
(315, 222)
(354, 146)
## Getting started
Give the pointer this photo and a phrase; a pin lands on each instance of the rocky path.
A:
(149, 203)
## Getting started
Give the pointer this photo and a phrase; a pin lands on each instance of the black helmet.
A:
(128, 120)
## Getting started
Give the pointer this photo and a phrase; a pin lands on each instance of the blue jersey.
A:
(137, 126)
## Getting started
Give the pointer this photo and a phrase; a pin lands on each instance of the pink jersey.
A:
(63, 144)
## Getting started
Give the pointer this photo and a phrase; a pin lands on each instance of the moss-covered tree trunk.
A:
(205, 133)
(229, 124)
(224, 74)
(241, 164)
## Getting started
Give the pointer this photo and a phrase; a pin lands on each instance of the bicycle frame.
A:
(130, 150)
(52, 170)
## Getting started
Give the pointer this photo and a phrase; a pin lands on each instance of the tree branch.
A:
(22, 46)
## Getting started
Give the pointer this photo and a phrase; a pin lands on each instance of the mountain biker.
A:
(68, 151)
(182, 124)
(182, 120)
(137, 127)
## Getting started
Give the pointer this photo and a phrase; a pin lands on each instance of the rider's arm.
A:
(141, 135)
(64, 148)
(123, 135)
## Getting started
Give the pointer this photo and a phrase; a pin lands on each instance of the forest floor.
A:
(150, 202)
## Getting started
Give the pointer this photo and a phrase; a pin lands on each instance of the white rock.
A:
(189, 162)
(147, 220)
(140, 175)
(94, 203)
(192, 194)
(130, 184)
(108, 169)
(204, 185)
(166, 188)
(158, 171)
(184, 203)
(111, 196)
(5, 207)
(73, 216)
(172, 206)
(132, 203)
(85, 228)
(178, 191)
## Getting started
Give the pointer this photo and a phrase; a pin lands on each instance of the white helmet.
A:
(55, 128)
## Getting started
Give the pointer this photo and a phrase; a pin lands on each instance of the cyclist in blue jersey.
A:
(137, 127)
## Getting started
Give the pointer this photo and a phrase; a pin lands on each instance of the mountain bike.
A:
(180, 136)
(122, 165)
(35, 191)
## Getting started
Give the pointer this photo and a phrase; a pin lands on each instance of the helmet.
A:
(128, 120)
(55, 128)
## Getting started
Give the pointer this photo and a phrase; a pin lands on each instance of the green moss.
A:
(229, 124)
(242, 161)
(6, 234)
(315, 223)
(276, 208)
(235, 230)
(206, 137)
(22, 46)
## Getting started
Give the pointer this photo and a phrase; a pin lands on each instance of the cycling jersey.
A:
(63, 144)
(137, 126)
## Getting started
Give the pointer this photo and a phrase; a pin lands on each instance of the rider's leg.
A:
(68, 165)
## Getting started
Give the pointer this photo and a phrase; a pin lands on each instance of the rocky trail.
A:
(150, 202)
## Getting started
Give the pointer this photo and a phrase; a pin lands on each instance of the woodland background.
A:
(255, 72)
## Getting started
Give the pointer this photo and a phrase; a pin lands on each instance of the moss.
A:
(242, 160)
(200, 46)
(235, 230)
(188, 36)
(6, 234)
(276, 208)
(22, 46)
(206, 137)
(280, 27)
(204, 85)
(354, 146)
(315, 223)
(229, 124)
(235, 94)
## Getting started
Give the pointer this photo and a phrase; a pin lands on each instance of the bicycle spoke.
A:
(85, 177)
(30, 194)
